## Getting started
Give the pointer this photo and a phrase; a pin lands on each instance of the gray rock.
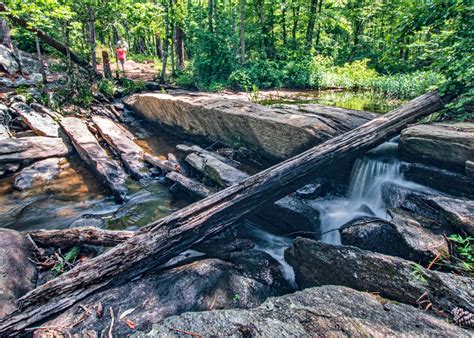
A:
(470, 169)
(403, 237)
(329, 311)
(449, 182)
(28, 149)
(446, 144)
(6, 82)
(316, 263)
(5, 120)
(106, 169)
(32, 80)
(17, 271)
(7, 60)
(8, 168)
(40, 123)
(243, 282)
(310, 191)
(274, 133)
(37, 174)
(454, 214)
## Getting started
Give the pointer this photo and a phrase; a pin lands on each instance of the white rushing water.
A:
(364, 197)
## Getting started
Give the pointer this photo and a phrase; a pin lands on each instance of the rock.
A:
(8, 62)
(453, 214)
(470, 169)
(39, 173)
(316, 263)
(276, 134)
(5, 120)
(403, 237)
(17, 271)
(42, 124)
(328, 311)
(310, 191)
(8, 168)
(196, 286)
(220, 172)
(32, 80)
(446, 144)
(440, 179)
(121, 140)
(18, 98)
(6, 82)
(106, 169)
(29, 149)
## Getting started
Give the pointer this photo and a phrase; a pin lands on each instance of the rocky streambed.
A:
(367, 245)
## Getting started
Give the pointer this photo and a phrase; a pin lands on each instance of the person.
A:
(122, 48)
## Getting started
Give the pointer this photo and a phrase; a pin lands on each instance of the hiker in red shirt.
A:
(122, 48)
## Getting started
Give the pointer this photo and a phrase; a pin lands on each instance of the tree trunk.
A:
(92, 44)
(318, 34)
(310, 29)
(5, 34)
(158, 242)
(165, 42)
(242, 31)
(210, 9)
(40, 60)
(296, 14)
(159, 47)
(283, 22)
(78, 236)
(49, 40)
(180, 47)
(106, 65)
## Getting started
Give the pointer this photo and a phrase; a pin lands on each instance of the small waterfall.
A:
(365, 191)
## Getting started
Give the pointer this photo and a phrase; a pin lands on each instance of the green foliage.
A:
(236, 298)
(132, 86)
(107, 87)
(464, 252)
(65, 262)
(417, 273)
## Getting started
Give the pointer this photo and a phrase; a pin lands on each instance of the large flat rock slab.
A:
(106, 169)
(275, 133)
(122, 141)
(38, 173)
(29, 149)
(447, 144)
(17, 271)
(316, 264)
(329, 311)
(40, 123)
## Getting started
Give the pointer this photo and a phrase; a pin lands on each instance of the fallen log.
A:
(49, 40)
(158, 242)
(165, 165)
(194, 187)
(78, 236)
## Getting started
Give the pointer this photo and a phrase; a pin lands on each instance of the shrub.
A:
(107, 88)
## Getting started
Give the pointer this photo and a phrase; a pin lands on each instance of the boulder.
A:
(109, 172)
(446, 144)
(245, 281)
(275, 134)
(452, 214)
(6, 83)
(28, 149)
(311, 190)
(403, 237)
(17, 271)
(121, 140)
(31, 80)
(5, 120)
(446, 181)
(8, 62)
(470, 169)
(316, 263)
(328, 311)
(41, 123)
(38, 173)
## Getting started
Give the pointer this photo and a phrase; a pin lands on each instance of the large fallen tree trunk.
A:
(49, 40)
(79, 236)
(162, 240)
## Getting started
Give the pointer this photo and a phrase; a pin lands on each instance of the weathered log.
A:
(66, 51)
(78, 236)
(165, 165)
(196, 188)
(162, 240)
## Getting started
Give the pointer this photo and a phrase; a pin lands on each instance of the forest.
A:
(241, 168)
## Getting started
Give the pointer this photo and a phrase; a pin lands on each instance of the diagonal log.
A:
(63, 49)
(158, 242)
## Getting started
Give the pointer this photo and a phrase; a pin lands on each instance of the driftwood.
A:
(49, 40)
(156, 243)
(165, 165)
(78, 236)
(194, 187)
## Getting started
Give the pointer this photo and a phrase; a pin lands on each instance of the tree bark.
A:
(78, 236)
(5, 34)
(106, 65)
(310, 28)
(159, 47)
(49, 40)
(242, 31)
(92, 44)
(158, 242)
(40, 60)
